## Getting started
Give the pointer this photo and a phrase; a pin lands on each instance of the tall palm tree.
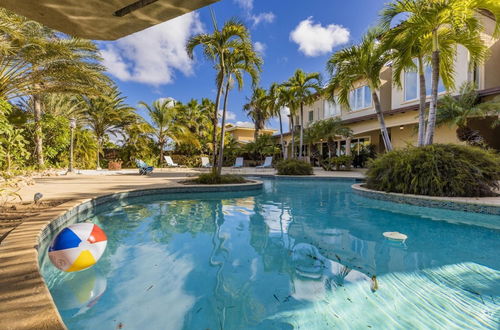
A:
(287, 99)
(166, 124)
(442, 24)
(216, 47)
(304, 87)
(243, 59)
(459, 110)
(256, 110)
(36, 60)
(362, 62)
(107, 114)
(274, 106)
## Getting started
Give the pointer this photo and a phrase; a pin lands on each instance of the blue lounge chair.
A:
(144, 168)
(268, 163)
(238, 163)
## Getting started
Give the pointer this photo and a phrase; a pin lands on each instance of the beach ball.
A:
(77, 247)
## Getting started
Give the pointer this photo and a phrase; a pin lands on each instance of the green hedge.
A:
(436, 170)
(210, 178)
(294, 167)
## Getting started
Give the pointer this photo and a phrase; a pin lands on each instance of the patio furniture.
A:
(268, 163)
(144, 168)
(205, 162)
(170, 162)
(238, 163)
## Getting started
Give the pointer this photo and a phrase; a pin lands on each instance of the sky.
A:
(290, 34)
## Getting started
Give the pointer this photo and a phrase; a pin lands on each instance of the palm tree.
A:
(256, 110)
(441, 25)
(459, 110)
(362, 62)
(216, 47)
(331, 129)
(36, 60)
(274, 106)
(304, 87)
(243, 59)
(287, 99)
(107, 114)
(166, 124)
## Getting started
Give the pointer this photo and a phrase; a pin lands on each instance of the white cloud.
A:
(315, 39)
(152, 56)
(245, 124)
(247, 6)
(260, 47)
(229, 115)
(262, 18)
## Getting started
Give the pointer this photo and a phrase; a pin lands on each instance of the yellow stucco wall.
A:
(245, 135)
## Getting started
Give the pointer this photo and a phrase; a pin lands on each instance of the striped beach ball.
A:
(77, 247)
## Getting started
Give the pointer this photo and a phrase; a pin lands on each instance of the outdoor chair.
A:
(205, 162)
(238, 163)
(144, 168)
(170, 162)
(268, 163)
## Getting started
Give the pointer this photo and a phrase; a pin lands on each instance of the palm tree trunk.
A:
(421, 107)
(431, 122)
(98, 153)
(380, 115)
(301, 143)
(293, 137)
(214, 124)
(331, 145)
(37, 107)
(256, 130)
(222, 132)
(161, 154)
(283, 150)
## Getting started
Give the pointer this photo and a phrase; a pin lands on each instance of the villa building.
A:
(244, 135)
(400, 105)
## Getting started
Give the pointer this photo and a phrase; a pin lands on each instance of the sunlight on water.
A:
(299, 254)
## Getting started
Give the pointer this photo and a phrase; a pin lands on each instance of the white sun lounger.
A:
(170, 162)
(268, 163)
(205, 162)
(238, 162)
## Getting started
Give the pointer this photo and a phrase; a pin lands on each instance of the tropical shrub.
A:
(436, 170)
(340, 163)
(12, 142)
(294, 167)
(365, 153)
(211, 178)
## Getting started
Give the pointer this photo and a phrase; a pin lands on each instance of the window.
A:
(311, 116)
(331, 109)
(412, 85)
(361, 98)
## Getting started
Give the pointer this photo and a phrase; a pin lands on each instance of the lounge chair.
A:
(268, 163)
(205, 162)
(144, 168)
(238, 163)
(170, 162)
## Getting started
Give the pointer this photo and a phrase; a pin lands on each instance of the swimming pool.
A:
(298, 254)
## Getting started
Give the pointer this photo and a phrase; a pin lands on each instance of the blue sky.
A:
(290, 34)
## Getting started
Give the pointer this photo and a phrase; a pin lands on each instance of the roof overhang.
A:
(102, 20)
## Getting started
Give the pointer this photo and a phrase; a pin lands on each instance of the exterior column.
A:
(348, 146)
(338, 148)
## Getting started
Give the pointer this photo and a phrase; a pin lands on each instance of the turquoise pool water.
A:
(298, 254)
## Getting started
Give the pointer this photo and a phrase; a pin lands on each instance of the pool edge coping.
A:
(467, 204)
(25, 300)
